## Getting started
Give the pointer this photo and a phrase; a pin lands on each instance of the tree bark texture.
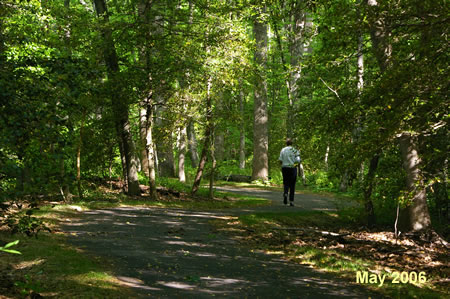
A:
(192, 144)
(120, 107)
(260, 167)
(418, 217)
(164, 146)
(379, 35)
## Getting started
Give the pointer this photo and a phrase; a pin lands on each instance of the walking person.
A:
(289, 160)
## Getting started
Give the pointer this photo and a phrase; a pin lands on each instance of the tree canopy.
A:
(93, 89)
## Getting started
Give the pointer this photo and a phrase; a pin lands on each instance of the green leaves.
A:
(5, 248)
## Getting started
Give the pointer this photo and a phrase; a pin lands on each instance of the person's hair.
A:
(288, 141)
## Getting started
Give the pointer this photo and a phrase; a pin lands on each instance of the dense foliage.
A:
(74, 83)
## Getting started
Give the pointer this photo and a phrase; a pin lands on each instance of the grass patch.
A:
(49, 267)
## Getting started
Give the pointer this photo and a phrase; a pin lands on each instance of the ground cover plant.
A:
(336, 242)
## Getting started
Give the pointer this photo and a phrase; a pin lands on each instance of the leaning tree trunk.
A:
(260, 167)
(417, 214)
(120, 107)
(206, 142)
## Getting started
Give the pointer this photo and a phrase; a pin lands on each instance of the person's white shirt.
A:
(289, 156)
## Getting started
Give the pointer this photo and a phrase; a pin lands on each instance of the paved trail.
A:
(171, 253)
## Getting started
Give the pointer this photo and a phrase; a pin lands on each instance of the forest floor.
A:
(174, 248)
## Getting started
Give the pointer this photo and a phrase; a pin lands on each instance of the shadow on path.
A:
(169, 253)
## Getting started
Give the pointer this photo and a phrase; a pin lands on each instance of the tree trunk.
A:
(379, 35)
(120, 107)
(146, 132)
(147, 108)
(143, 137)
(192, 144)
(219, 143)
(80, 144)
(296, 47)
(325, 160)
(164, 146)
(369, 182)
(149, 146)
(181, 155)
(260, 167)
(206, 143)
(213, 168)
(242, 131)
(343, 185)
(417, 214)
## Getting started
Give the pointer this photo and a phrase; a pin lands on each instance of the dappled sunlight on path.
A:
(167, 253)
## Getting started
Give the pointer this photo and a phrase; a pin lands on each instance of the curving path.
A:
(171, 253)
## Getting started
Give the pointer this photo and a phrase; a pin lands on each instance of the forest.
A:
(138, 91)
(152, 95)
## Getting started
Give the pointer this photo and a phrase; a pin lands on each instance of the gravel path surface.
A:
(172, 253)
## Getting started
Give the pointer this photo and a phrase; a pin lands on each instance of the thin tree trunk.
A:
(143, 137)
(368, 204)
(213, 168)
(327, 152)
(65, 191)
(146, 107)
(242, 131)
(149, 146)
(219, 134)
(181, 155)
(343, 185)
(260, 167)
(80, 144)
(206, 143)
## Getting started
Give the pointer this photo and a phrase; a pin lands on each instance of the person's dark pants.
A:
(289, 180)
